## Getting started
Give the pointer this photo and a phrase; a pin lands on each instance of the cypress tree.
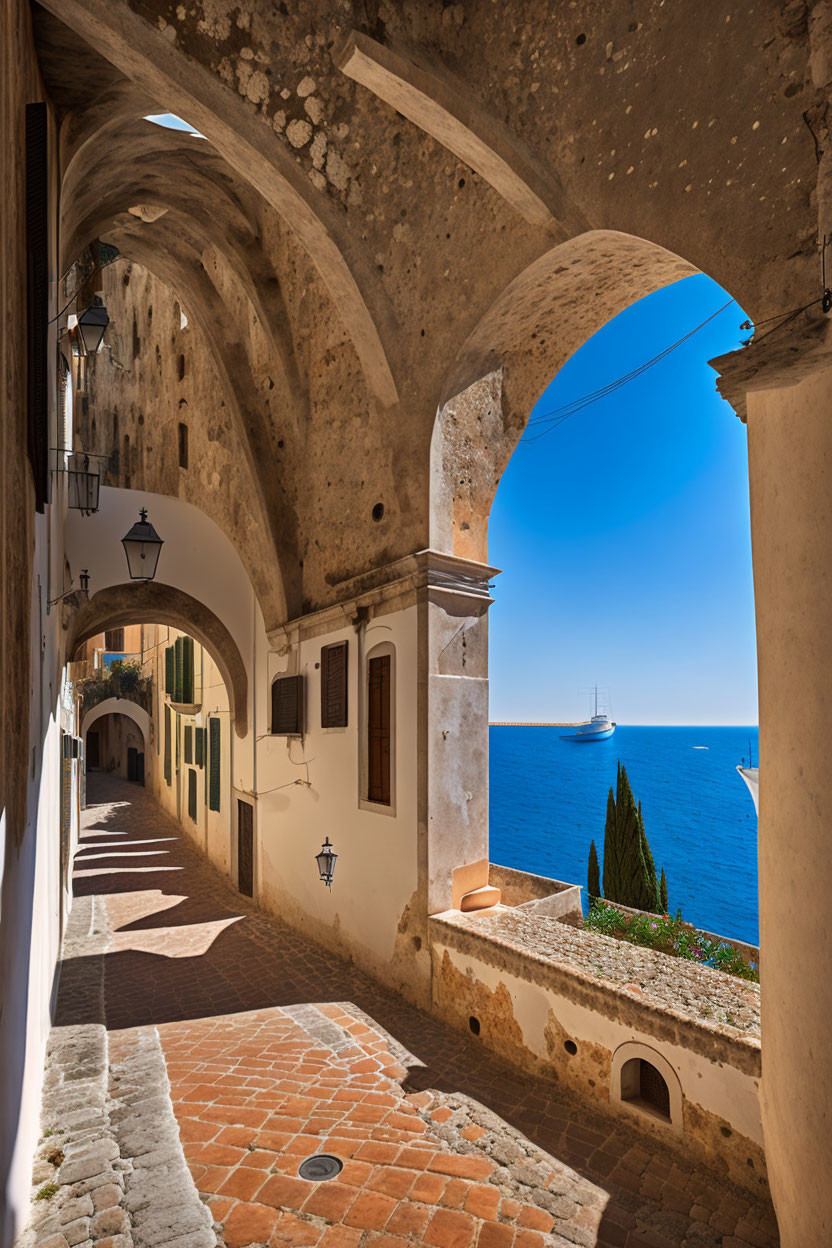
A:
(629, 870)
(593, 876)
(611, 856)
(663, 893)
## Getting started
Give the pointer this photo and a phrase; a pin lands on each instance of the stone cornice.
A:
(424, 575)
(781, 357)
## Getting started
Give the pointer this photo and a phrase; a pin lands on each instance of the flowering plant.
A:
(669, 935)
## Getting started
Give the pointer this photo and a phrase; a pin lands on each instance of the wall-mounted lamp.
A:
(142, 546)
(326, 863)
(83, 591)
(92, 324)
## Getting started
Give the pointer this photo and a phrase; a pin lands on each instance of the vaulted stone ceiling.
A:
(391, 202)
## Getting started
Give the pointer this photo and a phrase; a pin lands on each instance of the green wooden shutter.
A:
(167, 745)
(199, 746)
(192, 793)
(170, 671)
(187, 669)
(178, 670)
(214, 764)
(189, 744)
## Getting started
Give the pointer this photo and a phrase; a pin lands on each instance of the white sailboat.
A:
(598, 728)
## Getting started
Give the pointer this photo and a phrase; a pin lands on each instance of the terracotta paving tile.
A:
(449, 1229)
(249, 1224)
(455, 1194)
(370, 1211)
(415, 1158)
(193, 1130)
(330, 1200)
(463, 1167)
(340, 1237)
(529, 1239)
(220, 1207)
(483, 1201)
(428, 1188)
(409, 1219)
(294, 1231)
(495, 1235)
(392, 1181)
(281, 1190)
(243, 1184)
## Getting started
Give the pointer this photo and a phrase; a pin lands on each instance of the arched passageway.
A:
(146, 602)
(117, 739)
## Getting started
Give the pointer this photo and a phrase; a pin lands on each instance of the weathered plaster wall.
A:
(34, 702)
(791, 531)
(528, 1009)
(371, 913)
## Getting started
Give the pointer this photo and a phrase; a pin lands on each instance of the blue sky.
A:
(624, 537)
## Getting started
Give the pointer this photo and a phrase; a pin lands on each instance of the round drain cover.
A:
(319, 1168)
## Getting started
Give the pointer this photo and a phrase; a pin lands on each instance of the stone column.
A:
(453, 727)
(790, 468)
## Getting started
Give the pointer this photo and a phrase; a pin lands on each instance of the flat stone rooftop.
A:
(716, 1001)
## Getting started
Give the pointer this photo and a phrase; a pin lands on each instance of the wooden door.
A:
(245, 848)
(132, 765)
(93, 755)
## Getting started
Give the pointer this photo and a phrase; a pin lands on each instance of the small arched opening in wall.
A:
(643, 1081)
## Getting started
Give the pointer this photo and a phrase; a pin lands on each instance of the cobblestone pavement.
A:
(276, 1049)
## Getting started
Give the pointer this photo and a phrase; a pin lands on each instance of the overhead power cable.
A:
(558, 415)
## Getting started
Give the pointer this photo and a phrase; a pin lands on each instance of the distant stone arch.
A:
(151, 602)
(118, 706)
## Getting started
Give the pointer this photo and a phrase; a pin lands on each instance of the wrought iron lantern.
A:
(142, 546)
(84, 582)
(326, 863)
(84, 485)
(91, 326)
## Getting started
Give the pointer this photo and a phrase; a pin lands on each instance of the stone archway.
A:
(118, 706)
(150, 602)
(533, 327)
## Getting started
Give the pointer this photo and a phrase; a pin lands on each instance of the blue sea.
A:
(549, 797)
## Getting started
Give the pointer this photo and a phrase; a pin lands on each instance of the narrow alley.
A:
(233, 1039)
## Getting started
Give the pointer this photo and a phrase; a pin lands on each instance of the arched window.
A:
(645, 1082)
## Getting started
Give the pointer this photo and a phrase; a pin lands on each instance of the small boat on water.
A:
(598, 728)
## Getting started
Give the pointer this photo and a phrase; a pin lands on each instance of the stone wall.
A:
(565, 1001)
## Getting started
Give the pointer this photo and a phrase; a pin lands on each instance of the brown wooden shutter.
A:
(37, 295)
(378, 730)
(334, 685)
(287, 706)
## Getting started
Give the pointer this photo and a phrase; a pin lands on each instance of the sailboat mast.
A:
(596, 700)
